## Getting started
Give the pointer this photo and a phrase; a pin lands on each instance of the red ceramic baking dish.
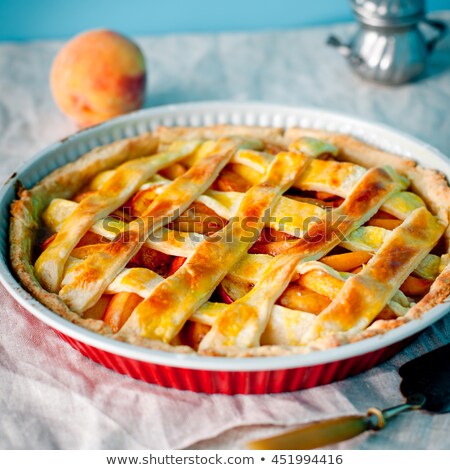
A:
(218, 374)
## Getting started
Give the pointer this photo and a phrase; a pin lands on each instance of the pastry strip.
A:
(334, 177)
(365, 294)
(84, 285)
(165, 240)
(126, 179)
(329, 176)
(163, 314)
(183, 244)
(286, 326)
(242, 323)
(68, 180)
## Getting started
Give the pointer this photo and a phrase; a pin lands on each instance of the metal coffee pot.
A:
(388, 46)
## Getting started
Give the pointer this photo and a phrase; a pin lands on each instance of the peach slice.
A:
(47, 241)
(193, 333)
(230, 181)
(223, 295)
(173, 171)
(300, 298)
(388, 224)
(324, 196)
(413, 286)
(140, 202)
(91, 238)
(120, 308)
(176, 265)
(347, 261)
(97, 311)
(151, 259)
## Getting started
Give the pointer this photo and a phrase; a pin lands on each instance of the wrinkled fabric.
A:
(52, 397)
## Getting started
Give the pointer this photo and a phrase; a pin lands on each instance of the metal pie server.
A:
(425, 385)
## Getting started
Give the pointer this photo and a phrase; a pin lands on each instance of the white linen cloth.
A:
(51, 397)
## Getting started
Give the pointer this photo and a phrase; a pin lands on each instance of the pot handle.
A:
(344, 49)
(441, 29)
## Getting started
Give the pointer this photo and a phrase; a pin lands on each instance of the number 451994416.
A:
(299, 459)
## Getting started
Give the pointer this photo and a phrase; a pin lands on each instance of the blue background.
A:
(43, 19)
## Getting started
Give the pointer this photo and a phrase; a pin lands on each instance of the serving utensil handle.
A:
(318, 434)
(334, 430)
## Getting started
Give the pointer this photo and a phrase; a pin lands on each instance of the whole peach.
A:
(98, 75)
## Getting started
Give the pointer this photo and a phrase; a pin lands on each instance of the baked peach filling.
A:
(317, 271)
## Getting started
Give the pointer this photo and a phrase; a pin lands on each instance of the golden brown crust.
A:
(168, 135)
(439, 291)
(69, 179)
(430, 185)
(63, 183)
(353, 150)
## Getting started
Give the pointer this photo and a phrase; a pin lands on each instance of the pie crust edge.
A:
(429, 184)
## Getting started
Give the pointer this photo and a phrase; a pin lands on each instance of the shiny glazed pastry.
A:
(236, 241)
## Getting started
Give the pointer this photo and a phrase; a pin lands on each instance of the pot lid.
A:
(388, 12)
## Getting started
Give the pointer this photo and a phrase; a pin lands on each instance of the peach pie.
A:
(235, 241)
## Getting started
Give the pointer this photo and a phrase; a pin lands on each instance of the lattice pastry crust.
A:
(312, 240)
